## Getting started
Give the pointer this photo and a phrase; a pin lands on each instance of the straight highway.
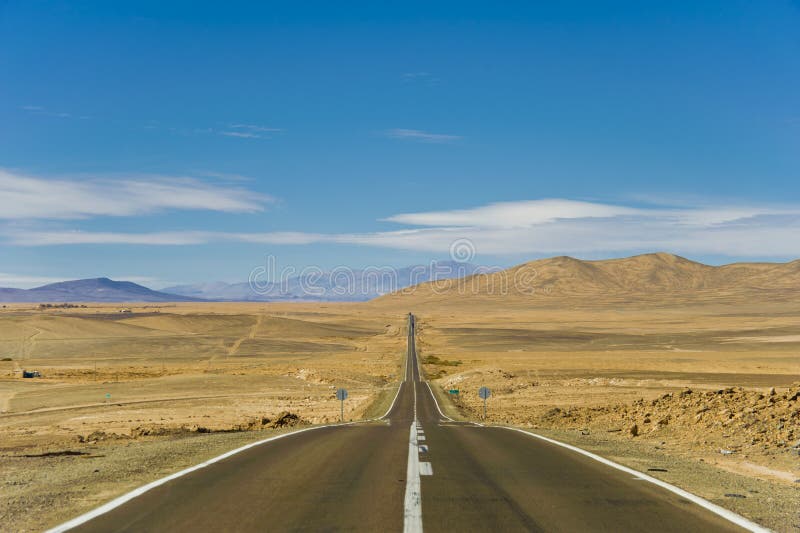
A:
(413, 469)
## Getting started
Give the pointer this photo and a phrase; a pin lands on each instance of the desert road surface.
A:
(413, 470)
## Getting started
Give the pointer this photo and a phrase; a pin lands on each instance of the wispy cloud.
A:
(28, 197)
(410, 76)
(158, 238)
(249, 131)
(235, 130)
(41, 110)
(534, 227)
(420, 77)
(242, 134)
(420, 136)
(254, 127)
(514, 214)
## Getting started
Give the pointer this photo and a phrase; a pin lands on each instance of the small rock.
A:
(726, 452)
(634, 430)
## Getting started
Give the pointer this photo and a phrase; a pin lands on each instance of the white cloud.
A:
(248, 131)
(27, 197)
(536, 227)
(158, 238)
(514, 214)
(40, 110)
(420, 77)
(420, 136)
(410, 76)
(254, 127)
(241, 134)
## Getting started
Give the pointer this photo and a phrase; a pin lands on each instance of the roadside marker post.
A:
(341, 395)
(484, 393)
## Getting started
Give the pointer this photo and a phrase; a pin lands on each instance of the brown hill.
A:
(660, 277)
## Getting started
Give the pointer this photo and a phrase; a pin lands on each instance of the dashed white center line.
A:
(412, 520)
(425, 469)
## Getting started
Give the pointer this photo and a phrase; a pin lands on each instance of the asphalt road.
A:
(369, 476)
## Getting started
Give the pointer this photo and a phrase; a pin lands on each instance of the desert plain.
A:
(698, 386)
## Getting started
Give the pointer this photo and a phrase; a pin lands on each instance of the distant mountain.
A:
(343, 285)
(654, 278)
(90, 290)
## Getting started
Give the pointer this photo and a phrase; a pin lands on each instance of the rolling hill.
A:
(90, 290)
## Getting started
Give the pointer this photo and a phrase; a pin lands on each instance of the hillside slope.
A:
(660, 277)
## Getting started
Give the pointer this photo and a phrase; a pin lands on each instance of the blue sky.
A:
(186, 142)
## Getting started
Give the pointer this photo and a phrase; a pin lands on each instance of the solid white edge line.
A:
(702, 502)
(113, 504)
(412, 505)
(436, 402)
(396, 395)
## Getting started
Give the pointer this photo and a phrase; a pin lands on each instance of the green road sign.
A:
(453, 391)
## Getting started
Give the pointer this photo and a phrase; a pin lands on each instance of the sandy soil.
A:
(211, 365)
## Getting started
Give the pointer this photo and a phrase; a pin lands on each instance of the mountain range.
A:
(342, 285)
(658, 277)
(655, 277)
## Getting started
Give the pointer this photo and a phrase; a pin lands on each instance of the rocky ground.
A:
(760, 428)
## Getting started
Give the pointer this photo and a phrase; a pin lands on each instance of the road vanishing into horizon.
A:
(414, 469)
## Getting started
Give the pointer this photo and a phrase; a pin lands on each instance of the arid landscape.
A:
(697, 386)
(125, 396)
